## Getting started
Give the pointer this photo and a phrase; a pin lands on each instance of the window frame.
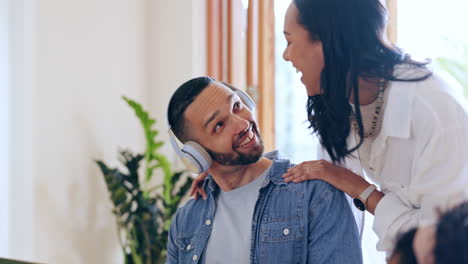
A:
(257, 75)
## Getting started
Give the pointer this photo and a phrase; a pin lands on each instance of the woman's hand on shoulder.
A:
(196, 189)
(340, 177)
(311, 170)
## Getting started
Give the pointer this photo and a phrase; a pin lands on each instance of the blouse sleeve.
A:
(439, 175)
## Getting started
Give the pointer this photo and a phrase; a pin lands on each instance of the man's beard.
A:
(230, 159)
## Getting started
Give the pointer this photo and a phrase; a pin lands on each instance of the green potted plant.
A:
(144, 212)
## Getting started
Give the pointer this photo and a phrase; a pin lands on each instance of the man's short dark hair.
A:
(180, 100)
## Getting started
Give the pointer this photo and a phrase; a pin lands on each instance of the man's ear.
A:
(195, 157)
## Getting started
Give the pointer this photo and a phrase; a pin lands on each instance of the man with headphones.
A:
(250, 215)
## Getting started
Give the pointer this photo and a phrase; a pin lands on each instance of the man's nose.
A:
(240, 124)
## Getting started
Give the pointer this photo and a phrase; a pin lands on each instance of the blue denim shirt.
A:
(307, 222)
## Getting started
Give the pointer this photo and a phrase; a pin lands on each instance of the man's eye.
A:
(218, 126)
(237, 105)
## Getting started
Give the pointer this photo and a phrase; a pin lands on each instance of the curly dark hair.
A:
(404, 247)
(451, 239)
(451, 245)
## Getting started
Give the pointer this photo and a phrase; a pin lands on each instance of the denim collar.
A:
(279, 166)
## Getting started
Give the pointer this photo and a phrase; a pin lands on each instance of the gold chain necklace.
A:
(375, 117)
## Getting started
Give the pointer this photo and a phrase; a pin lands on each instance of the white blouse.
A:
(420, 157)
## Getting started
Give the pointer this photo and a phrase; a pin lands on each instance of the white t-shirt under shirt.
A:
(367, 113)
(230, 237)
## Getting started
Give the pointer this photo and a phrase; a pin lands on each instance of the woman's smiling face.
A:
(305, 54)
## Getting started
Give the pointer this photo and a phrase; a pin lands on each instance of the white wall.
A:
(74, 60)
(4, 125)
(22, 80)
(178, 52)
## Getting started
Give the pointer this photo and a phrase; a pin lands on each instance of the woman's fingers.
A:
(197, 182)
(202, 192)
(291, 175)
(293, 171)
(197, 186)
(194, 187)
(302, 178)
(305, 171)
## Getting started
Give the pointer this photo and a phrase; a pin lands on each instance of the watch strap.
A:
(367, 192)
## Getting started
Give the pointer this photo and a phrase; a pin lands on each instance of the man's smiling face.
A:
(219, 121)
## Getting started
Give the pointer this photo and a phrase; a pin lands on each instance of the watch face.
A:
(359, 204)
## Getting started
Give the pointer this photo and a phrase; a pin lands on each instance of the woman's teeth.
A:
(248, 139)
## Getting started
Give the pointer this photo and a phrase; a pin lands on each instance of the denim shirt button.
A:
(285, 231)
(208, 222)
(189, 247)
(195, 257)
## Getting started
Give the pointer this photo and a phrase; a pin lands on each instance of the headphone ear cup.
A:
(246, 99)
(195, 157)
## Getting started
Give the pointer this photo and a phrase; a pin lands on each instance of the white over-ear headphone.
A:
(193, 155)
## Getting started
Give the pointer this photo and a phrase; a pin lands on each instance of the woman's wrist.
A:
(373, 201)
(356, 186)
